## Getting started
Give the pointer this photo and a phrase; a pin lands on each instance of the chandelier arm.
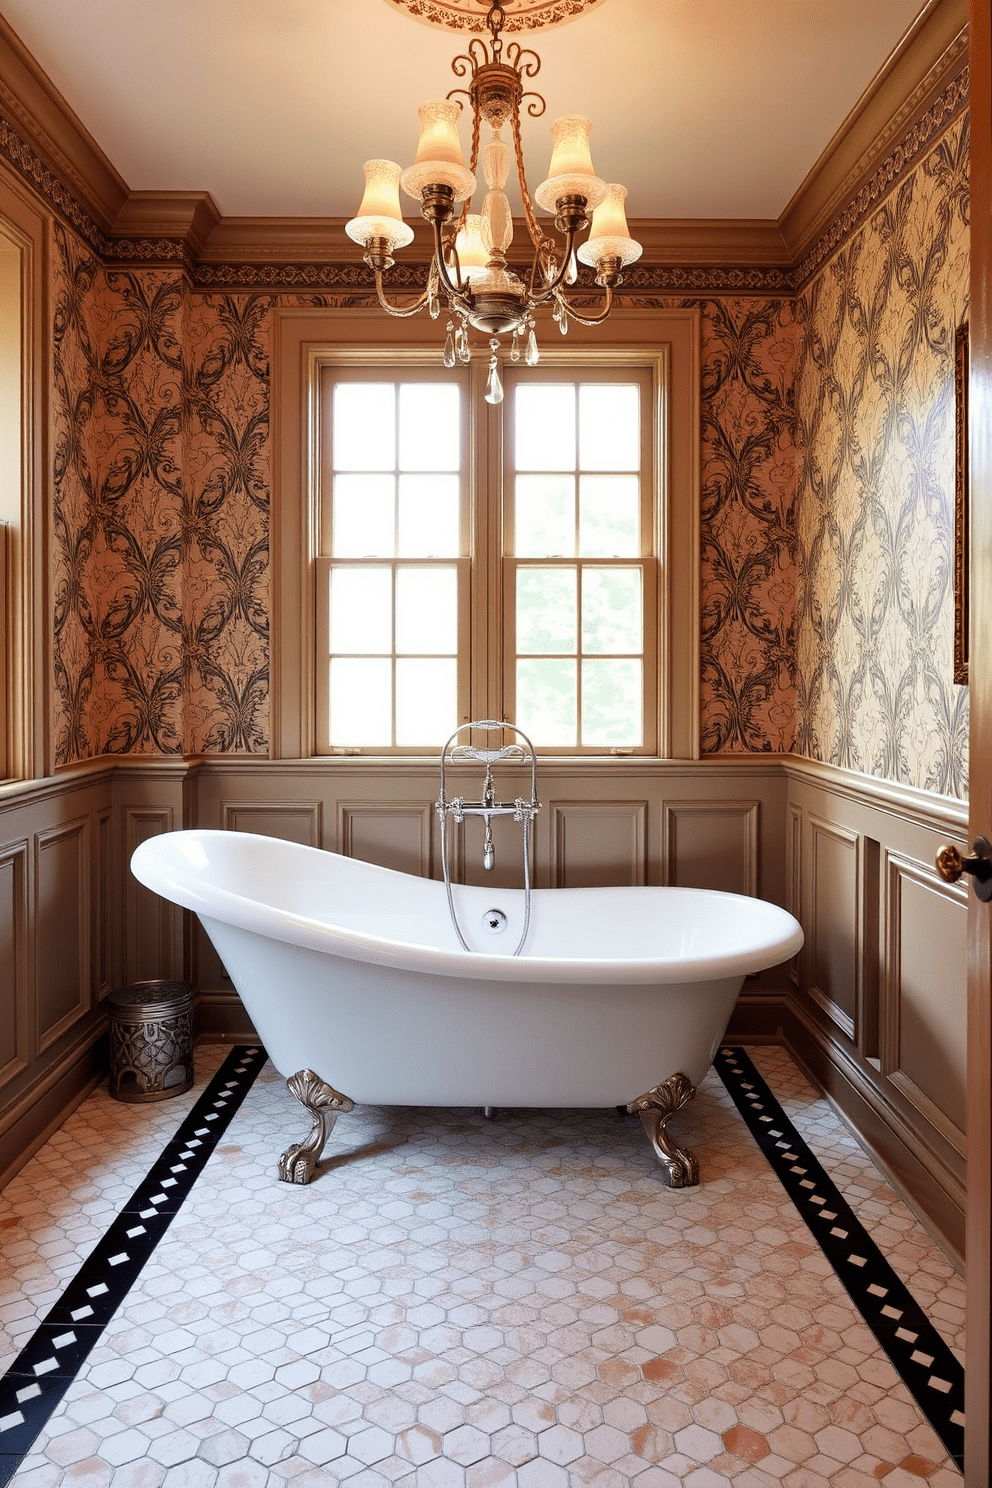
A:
(454, 288)
(401, 311)
(551, 288)
(587, 320)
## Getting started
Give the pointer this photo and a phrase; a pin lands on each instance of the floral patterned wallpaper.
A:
(875, 501)
(826, 521)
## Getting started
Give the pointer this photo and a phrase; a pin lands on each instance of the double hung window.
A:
(487, 561)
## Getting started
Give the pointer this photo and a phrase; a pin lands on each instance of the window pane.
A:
(430, 434)
(362, 610)
(360, 701)
(430, 525)
(612, 703)
(546, 609)
(426, 701)
(364, 433)
(544, 516)
(609, 427)
(611, 610)
(546, 704)
(545, 427)
(363, 516)
(427, 611)
(609, 516)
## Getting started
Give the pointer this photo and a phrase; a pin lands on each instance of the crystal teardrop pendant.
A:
(449, 346)
(494, 388)
(533, 356)
(515, 347)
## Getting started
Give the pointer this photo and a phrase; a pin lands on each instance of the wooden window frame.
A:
(304, 338)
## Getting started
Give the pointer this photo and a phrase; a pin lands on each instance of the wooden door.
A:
(978, 1406)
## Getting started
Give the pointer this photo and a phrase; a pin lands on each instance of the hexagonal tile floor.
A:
(456, 1301)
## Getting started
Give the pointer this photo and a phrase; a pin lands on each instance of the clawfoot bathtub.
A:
(355, 982)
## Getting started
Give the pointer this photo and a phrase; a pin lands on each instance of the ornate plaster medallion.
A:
(470, 15)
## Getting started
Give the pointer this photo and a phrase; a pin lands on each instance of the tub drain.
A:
(494, 920)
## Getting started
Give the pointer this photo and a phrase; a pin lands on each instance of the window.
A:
(481, 561)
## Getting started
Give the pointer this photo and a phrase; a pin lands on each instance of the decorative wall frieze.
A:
(678, 269)
(952, 102)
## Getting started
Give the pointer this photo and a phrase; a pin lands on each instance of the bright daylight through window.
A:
(455, 583)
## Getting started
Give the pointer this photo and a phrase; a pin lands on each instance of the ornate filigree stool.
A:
(151, 1040)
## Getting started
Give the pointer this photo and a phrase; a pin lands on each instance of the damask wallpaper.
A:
(747, 523)
(875, 502)
(160, 513)
(826, 521)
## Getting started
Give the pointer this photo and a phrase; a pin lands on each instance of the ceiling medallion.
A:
(469, 272)
(470, 15)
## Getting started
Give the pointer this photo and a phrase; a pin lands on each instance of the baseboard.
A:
(933, 1193)
(220, 1018)
(40, 1112)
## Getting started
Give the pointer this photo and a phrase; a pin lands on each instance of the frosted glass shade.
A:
(439, 155)
(379, 215)
(608, 236)
(571, 171)
(472, 255)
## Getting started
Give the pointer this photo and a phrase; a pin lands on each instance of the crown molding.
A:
(931, 55)
(921, 88)
(46, 123)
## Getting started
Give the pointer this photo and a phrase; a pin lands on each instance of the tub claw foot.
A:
(325, 1104)
(655, 1110)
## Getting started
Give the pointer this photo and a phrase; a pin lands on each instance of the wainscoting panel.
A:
(63, 916)
(598, 842)
(711, 845)
(15, 1042)
(834, 952)
(150, 922)
(794, 876)
(878, 1017)
(396, 834)
(102, 896)
(293, 821)
(924, 992)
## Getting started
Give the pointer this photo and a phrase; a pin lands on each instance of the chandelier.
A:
(469, 271)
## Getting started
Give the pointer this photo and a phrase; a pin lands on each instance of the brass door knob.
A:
(951, 865)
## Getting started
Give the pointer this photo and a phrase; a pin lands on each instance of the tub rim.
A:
(151, 867)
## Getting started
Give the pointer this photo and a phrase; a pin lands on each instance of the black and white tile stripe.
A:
(923, 1360)
(40, 1375)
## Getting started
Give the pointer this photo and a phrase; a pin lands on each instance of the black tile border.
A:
(920, 1356)
(37, 1380)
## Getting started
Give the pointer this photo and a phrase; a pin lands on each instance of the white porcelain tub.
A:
(352, 974)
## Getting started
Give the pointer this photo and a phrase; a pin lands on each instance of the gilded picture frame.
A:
(961, 513)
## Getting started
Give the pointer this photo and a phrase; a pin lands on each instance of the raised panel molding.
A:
(395, 834)
(794, 876)
(835, 921)
(63, 915)
(102, 897)
(293, 821)
(151, 924)
(711, 845)
(923, 992)
(598, 842)
(15, 1034)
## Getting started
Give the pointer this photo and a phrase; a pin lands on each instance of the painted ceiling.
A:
(703, 108)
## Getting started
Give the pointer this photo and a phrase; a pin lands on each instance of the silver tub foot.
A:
(656, 1110)
(325, 1104)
